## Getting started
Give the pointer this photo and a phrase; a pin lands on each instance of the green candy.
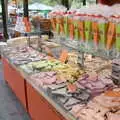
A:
(102, 30)
(76, 31)
(118, 37)
(88, 35)
(58, 28)
(66, 26)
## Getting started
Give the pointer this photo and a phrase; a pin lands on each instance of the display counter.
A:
(37, 103)
(15, 81)
(51, 89)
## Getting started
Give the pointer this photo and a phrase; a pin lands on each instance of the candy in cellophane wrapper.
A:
(81, 30)
(66, 32)
(58, 12)
(95, 33)
(52, 16)
(111, 35)
(118, 36)
(80, 23)
(71, 28)
(59, 24)
(88, 35)
(68, 15)
(102, 32)
(94, 29)
(76, 30)
(53, 23)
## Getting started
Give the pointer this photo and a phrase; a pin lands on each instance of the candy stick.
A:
(58, 25)
(53, 22)
(81, 30)
(118, 36)
(66, 26)
(102, 33)
(88, 30)
(110, 35)
(71, 29)
(76, 29)
(95, 33)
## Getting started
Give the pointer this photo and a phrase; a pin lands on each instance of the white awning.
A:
(39, 6)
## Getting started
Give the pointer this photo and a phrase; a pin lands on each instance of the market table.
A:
(39, 107)
(15, 81)
(36, 102)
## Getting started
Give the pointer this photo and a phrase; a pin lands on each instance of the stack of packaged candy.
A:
(64, 71)
(101, 27)
(95, 63)
(95, 84)
(116, 71)
(44, 78)
(103, 107)
(23, 55)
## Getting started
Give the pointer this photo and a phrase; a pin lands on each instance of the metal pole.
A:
(97, 1)
(26, 12)
(84, 2)
(4, 20)
(65, 3)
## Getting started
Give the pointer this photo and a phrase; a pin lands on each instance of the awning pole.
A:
(26, 12)
(84, 2)
(4, 20)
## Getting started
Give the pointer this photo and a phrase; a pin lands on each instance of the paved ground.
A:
(10, 107)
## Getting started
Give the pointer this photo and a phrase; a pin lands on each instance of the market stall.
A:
(76, 74)
(51, 89)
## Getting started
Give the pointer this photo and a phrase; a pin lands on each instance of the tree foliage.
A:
(53, 2)
(67, 3)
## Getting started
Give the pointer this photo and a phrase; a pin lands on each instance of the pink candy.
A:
(44, 78)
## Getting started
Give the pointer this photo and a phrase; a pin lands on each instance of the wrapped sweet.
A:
(57, 19)
(103, 107)
(23, 54)
(94, 83)
(116, 71)
(44, 78)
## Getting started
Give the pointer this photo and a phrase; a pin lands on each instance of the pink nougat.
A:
(112, 116)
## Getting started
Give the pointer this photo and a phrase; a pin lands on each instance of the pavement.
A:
(10, 107)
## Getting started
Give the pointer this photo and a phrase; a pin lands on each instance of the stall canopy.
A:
(39, 6)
